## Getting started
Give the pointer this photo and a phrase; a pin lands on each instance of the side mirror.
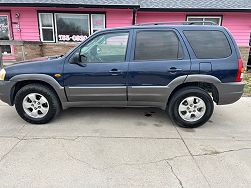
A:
(75, 58)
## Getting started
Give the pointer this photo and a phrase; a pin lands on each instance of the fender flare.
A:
(44, 78)
(202, 78)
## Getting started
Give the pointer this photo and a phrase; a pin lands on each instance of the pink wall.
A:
(238, 23)
(118, 18)
(28, 20)
(144, 17)
(240, 26)
(28, 23)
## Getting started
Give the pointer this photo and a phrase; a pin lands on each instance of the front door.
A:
(159, 57)
(5, 33)
(99, 78)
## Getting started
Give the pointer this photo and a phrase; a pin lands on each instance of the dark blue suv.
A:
(181, 69)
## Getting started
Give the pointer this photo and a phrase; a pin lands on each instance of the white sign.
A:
(75, 38)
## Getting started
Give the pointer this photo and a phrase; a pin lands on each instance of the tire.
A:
(182, 107)
(37, 103)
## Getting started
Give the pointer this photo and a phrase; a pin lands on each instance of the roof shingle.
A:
(143, 4)
(195, 4)
(126, 3)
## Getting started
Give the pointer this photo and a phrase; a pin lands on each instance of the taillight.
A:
(240, 72)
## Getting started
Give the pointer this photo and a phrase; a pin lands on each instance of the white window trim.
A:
(203, 17)
(42, 27)
(11, 47)
(56, 32)
(92, 21)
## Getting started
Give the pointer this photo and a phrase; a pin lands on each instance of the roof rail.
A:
(179, 23)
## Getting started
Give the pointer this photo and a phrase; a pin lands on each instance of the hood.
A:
(40, 59)
(43, 65)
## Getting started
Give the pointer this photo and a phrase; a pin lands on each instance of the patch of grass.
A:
(247, 81)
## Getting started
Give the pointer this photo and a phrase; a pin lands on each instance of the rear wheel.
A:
(37, 103)
(190, 107)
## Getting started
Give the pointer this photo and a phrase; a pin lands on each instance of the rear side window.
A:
(208, 44)
(157, 45)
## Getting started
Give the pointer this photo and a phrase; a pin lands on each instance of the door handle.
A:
(115, 72)
(174, 70)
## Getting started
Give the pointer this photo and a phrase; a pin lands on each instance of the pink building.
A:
(33, 28)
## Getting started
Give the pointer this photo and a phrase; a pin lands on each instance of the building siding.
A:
(28, 22)
(29, 26)
(118, 18)
(239, 24)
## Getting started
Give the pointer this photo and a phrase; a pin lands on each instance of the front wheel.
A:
(37, 103)
(190, 107)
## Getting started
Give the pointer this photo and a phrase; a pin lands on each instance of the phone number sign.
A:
(75, 38)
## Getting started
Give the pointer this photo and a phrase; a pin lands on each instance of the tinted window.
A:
(208, 44)
(157, 45)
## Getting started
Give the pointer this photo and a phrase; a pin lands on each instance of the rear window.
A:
(208, 44)
(157, 45)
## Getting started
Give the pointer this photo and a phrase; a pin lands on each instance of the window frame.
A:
(55, 39)
(95, 35)
(107, 33)
(55, 25)
(204, 17)
(91, 21)
(156, 60)
(42, 27)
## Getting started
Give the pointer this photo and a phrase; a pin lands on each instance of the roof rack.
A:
(179, 23)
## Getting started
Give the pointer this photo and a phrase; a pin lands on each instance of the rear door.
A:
(159, 56)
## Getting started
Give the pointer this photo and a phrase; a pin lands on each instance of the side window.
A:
(106, 48)
(157, 45)
(208, 44)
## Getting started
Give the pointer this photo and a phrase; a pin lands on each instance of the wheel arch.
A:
(23, 80)
(206, 82)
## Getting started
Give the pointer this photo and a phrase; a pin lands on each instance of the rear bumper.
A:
(5, 91)
(229, 92)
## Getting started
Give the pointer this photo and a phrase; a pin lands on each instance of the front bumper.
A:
(6, 88)
(229, 92)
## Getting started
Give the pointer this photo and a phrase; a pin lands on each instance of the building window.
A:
(215, 19)
(6, 49)
(69, 27)
(72, 27)
(46, 27)
(5, 34)
(98, 22)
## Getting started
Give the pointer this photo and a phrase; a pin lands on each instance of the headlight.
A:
(2, 74)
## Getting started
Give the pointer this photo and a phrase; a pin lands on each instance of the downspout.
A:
(134, 16)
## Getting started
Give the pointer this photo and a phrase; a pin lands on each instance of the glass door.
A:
(5, 33)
